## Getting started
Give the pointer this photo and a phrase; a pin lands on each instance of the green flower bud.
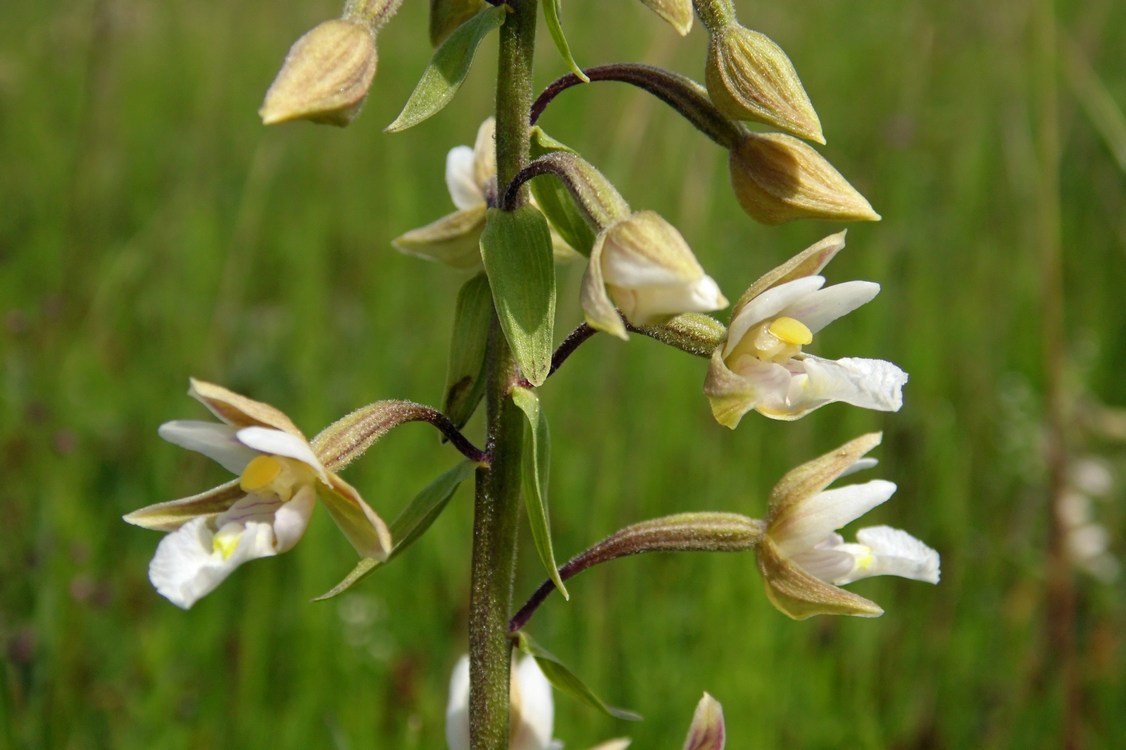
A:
(749, 77)
(778, 178)
(325, 77)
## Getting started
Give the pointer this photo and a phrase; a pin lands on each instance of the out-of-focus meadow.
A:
(151, 229)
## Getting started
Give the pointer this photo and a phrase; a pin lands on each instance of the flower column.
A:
(498, 488)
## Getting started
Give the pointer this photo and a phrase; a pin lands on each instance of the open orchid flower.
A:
(762, 365)
(471, 177)
(803, 560)
(532, 710)
(262, 513)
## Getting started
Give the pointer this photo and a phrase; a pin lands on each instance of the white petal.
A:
(278, 443)
(894, 552)
(212, 439)
(867, 383)
(464, 191)
(862, 464)
(186, 566)
(827, 563)
(537, 709)
(649, 304)
(822, 307)
(767, 305)
(292, 518)
(812, 520)
(457, 710)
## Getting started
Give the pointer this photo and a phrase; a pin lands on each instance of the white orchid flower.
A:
(642, 265)
(762, 365)
(803, 560)
(262, 513)
(471, 177)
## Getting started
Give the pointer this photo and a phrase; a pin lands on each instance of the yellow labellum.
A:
(225, 543)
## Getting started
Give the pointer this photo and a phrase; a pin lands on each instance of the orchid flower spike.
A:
(803, 560)
(762, 365)
(262, 513)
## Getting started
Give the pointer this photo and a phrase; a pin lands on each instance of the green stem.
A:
(496, 510)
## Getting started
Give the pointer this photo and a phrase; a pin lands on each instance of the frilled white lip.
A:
(234, 447)
(802, 299)
(536, 707)
(878, 551)
(188, 565)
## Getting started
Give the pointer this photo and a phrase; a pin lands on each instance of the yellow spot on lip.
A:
(225, 542)
(791, 331)
(259, 473)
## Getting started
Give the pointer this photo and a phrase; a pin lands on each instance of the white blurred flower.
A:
(262, 513)
(762, 365)
(532, 710)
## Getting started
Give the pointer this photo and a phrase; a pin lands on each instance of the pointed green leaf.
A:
(447, 15)
(536, 468)
(465, 374)
(551, 9)
(411, 523)
(447, 69)
(556, 201)
(564, 680)
(516, 249)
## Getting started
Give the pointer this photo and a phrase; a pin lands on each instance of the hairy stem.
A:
(497, 505)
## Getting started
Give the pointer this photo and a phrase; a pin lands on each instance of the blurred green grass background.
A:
(151, 229)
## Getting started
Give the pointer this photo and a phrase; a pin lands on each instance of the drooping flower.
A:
(804, 561)
(262, 513)
(642, 265)
(762, 365)
(471, 177)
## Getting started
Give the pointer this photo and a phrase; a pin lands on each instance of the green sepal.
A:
(564, 680)
(555, 200)
(447, 15)
(465, 374)
(410, 524)
(447, 69)
(536, 466)
(516, 249)
(551, 9)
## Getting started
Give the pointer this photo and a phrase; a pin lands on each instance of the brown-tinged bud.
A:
(325, 77)
(749, 77)
(678, 13)
(778, 178)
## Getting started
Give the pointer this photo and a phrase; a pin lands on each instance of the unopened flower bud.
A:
(325, 77)
(778, 178)
(749, 77)
(678, 13)
(642, 265)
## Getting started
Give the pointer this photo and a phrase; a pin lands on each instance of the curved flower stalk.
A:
(803, 560)
(262, 513)
(762, 366)
(471, 177)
